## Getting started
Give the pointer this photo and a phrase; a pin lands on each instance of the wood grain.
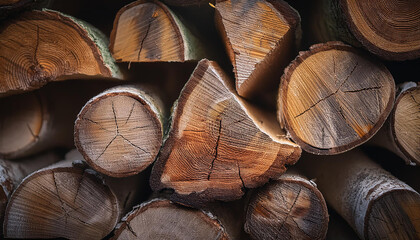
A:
(333, 98)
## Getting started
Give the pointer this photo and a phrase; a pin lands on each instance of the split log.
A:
(148, 31)
(375, 203)
(291, 207)
(67, 201)
(45, 46)
(333, 98)
(119, 132)
(388, 29)
(218, 144)
(261, 37)
(36, 121)
(401, 132)
(166, 220)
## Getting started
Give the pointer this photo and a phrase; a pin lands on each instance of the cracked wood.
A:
(218, 143)
(333, 98)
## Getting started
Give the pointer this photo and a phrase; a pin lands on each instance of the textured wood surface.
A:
(369, 198)
(260, 38)
(45, 46)
(119, 132)
(163, 219)
(333, 98)
(218, 143)
(148, 31)
(289, 208)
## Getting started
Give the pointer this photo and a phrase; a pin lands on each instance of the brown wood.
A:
(260, 37)
(289, 208)
(119, 131)
(148, 31)
(388, 29)
(401, 132)
(44, 46)
(333, 98)
(163, 219)
(375, 203)
(36, 121)
(218, 143)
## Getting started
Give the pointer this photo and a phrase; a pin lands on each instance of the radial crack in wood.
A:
(219, 144)
(148, 31)
(261, 38)
(119, 132)
(332, 98)
(43, 46)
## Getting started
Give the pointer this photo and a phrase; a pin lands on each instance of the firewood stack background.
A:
(227, 119)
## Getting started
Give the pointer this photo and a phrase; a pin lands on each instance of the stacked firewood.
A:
(227, 119)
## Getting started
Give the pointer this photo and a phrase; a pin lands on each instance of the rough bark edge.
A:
(333, 45)
(146, 102)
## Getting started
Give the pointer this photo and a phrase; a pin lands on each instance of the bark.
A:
(148, 31)
(119, 131)
(45, 46)
(260, 37)
(289, 208)
(375, 203)
(333, 98)
(213, 148)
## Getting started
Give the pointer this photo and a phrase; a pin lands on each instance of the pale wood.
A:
(260, 37)
(388, 29)
(44, 46)
(119, 131)
(148, 31)
(333, 98)
(163, 219)
(375, 203)
(291, 207)
(218, 143)
(401, 132)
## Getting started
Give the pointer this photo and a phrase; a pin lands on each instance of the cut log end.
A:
(153, 34)
(61, 202)
(44, 46)
(333, 99)
(118, 133)
(163, 219)
(290, 207)
(396, 215)
(21, 122)
(387, 28)
(218, 145)
(405, 124)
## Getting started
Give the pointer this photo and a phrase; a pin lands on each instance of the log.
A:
(388, 29)
(119, 131)
(401, 132)
(67, 201)
(148, 31)
(291, 207)
(261, 37)
(10, 7)
(333, 98)
(375, 203)
(45, 46)
(167, 220)
(214, 146)
(37, 121)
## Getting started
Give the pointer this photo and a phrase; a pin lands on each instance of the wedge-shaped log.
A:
(148, 31)
(119, 132)
(333, 98)
(219, 144)
(261, 38)
(375, 203)
(291, 207)
(44, 46)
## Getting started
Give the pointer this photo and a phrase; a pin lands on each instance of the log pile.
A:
(186, 123)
